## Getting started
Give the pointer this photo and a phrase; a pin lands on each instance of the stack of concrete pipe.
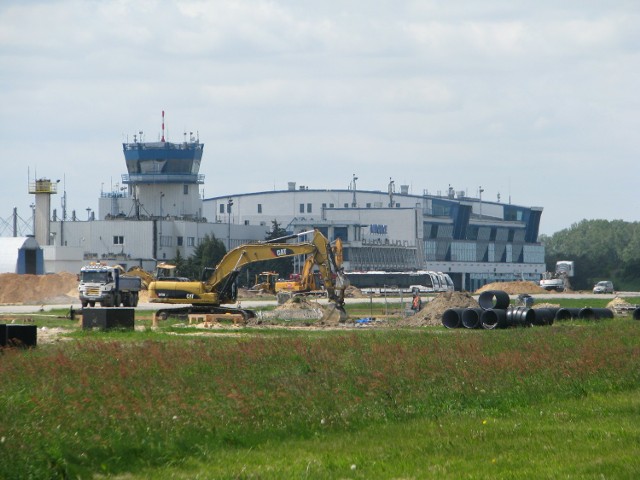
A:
(495, 312)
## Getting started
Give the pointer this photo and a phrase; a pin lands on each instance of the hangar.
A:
(21, 255)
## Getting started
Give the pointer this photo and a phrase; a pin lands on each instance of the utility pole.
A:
(229, 205)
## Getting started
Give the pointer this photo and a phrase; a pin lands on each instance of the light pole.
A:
(353, 183)
(33, 218)
(229, 204)
(160, 224)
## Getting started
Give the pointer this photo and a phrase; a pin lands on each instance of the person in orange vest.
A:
(416, 304)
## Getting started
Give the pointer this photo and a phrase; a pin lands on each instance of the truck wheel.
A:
(134, 300)
(92, 304)
(84, 303)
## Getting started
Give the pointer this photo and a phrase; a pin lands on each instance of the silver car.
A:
(603, 287)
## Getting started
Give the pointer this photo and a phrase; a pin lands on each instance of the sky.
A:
(535, 102)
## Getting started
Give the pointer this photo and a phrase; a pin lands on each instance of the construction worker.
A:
(416, 304)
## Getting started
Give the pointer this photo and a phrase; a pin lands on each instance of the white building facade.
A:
(474, 241)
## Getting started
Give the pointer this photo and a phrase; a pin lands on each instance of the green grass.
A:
(559, 401)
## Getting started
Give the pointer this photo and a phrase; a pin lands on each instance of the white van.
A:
(603, 287)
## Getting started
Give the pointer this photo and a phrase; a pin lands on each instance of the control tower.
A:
(42, 189)
(163, 177)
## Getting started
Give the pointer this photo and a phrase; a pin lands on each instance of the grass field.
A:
(553, 402)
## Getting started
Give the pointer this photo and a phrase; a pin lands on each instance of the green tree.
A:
(181, 264)
(601, 249)
(207, 254)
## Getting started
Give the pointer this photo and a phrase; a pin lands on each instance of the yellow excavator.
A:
(265, 282)
(219, 287)
(163, 271)
(307, 281)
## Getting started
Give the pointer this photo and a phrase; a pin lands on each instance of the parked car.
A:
(603, 287)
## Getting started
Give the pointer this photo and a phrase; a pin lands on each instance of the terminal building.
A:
(158, 211)
(473, 240)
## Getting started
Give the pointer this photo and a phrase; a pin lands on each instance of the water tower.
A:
(42, 189)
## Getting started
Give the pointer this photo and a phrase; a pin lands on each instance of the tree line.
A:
(600, 250)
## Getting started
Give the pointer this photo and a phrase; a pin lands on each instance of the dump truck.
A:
(107, 286)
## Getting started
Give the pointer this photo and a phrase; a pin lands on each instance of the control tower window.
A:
(185, 189)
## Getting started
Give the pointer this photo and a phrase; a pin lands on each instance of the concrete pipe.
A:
(471, 318)
(452, 318)
(494, 318)
(636, 314)
(587, 313)
(494, 299)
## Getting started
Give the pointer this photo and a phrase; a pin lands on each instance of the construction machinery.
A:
(163, 271)
(107, 286)
(558, 280)
(220, 288)
(265, 282)
(308, 281)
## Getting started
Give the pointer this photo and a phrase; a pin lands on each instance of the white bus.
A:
(421, 281)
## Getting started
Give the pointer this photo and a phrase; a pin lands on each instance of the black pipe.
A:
(471, 318)
(452, 318)
(567, 313)
(494, 318)
(520, 317)
(595, 313)
(587, 313)
(494, 299)
(544, 316)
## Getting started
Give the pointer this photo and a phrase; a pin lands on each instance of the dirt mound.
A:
(29, 289)
(513, 288)
(617, 301)
(431, 313)
(353, 292)
(546, 305)
(301, 308)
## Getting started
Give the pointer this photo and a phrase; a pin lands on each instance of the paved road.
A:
(545, 297)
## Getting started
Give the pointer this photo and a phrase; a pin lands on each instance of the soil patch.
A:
(431, 313)
(513, 288)
(299, 308)
(38, 289)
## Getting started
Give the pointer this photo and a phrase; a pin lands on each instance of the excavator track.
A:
(184, 312)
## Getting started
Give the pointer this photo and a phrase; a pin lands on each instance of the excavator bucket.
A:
(333, 314)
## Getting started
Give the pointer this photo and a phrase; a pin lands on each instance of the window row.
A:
(165, 241)
(302, 208)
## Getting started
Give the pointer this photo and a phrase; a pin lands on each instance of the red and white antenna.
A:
(162, 126)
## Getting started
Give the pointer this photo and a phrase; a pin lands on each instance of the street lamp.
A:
(229, 204)
(353, 183)
(160, 224)
(33, 218)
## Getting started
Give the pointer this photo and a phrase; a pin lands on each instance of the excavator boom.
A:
(220, 287)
